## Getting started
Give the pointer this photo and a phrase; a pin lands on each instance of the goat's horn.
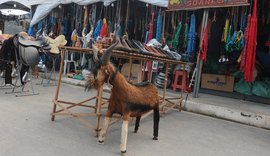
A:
(107, 54)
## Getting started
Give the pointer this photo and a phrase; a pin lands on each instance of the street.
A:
(26, 129)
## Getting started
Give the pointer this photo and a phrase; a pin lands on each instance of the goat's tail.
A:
(90, 83)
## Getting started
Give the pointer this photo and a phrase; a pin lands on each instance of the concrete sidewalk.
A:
(246, 112)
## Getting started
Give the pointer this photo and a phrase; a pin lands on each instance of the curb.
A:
(235, 115)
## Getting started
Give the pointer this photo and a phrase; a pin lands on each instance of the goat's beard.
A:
(90, 83)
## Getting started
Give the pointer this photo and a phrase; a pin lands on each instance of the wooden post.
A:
(130, 68)
(58, 83)
(165, 83)
(183, 86)
(140, 71)
(98, 108)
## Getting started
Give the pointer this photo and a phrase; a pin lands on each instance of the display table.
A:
(61, 107)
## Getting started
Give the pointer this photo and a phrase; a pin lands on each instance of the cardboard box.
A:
(136, 72)
(217, 82)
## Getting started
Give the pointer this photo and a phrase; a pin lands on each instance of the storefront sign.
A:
(198, 4)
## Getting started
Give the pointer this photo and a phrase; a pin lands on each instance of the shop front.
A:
(233, 50)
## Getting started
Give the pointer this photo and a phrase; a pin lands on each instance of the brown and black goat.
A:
(126, 99)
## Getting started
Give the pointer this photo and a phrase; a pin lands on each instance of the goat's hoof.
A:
(135, 131)
(123, 152)
(155, 138)
(101, 142)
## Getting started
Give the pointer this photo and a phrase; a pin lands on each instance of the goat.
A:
(126, 99)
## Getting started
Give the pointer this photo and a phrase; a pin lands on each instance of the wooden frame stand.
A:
(62, 107)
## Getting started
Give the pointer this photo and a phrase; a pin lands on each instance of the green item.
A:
(228, 49)
(78, 77)
(241, 86)
(261, 88)
(110, 27)
(186, 37)
(175, 41)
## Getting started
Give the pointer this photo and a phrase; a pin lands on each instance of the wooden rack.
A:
(167, 103)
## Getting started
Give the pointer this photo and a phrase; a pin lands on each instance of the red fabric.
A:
(204, 44)
(151, 28)
(244, 52)
(252, 43)
(104, 29)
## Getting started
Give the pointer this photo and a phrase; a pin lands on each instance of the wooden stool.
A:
(177, 80)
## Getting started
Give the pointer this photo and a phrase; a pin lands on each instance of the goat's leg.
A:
(106, 121)
(124, 135)
(156, 123)
(137, 124)
(102, 134)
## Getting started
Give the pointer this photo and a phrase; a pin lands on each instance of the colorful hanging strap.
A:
(244, 52)
(159, 26)
(227, 47)
(185, 36)
(226, 29)
(204, 44)
(151, 29)
(105, 29)
(191, 36)
(110, 27)
(97, 29)
(175, 41)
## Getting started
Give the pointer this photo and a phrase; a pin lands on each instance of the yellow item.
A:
(85, 16)
(104, 21)
(226, 29)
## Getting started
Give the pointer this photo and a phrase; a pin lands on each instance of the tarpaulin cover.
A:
(45, 6)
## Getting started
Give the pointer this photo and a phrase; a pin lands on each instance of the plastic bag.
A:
(261, 88)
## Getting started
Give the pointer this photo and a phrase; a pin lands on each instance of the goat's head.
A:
(102, 70)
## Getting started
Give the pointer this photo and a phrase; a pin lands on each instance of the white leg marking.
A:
(124, 134)
(103, 131)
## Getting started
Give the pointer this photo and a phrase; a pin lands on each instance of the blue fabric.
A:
(40, 24)
(191, 36)
(97, 29)
(146, 37)
(30, 31)
(243, 22)
(119, 30)
(159, 26)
